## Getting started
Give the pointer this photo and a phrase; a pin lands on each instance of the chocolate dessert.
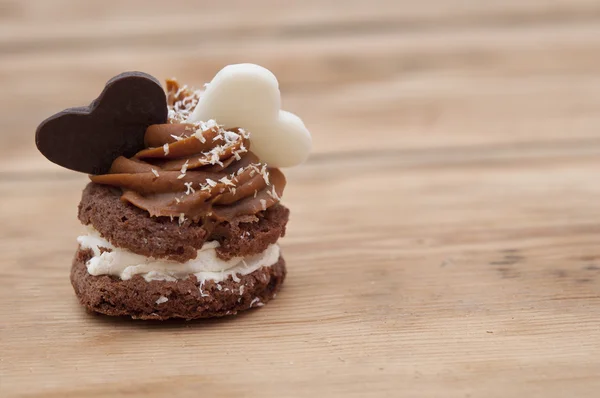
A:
(182, 215)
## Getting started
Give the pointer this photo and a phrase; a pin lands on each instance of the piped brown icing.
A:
(204, 173)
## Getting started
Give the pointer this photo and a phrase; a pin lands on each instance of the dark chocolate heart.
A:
(89, 138)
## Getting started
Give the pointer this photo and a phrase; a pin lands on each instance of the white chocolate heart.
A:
(247, 96)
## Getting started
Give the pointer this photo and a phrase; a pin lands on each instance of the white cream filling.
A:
(206, 266)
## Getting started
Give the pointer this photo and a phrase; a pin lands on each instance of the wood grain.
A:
(444, 238)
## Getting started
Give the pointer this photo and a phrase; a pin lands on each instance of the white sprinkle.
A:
(176, 137)
(255, 192)
(215, 157)
(227, 181)
(272, 193)
(181, 90)
(161, 299)
(241, 150)
(265, 174)
(178, 201)
(184, 167)
(230, 136)
(166, 149)
(208, 125)
(263, 203)
(256, 301)
(189, 188)
(219, 287)
(183, 170)
(181, 218)
(155, 172)
(242, 289)
(254, 170)
(211, 182)
(235, 278)
(198, 134)
(233, 190)
(244, 133)
(202, 294)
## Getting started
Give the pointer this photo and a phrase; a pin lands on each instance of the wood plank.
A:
(389, 65)
(449, 274)
(476, 87)
(37, 22)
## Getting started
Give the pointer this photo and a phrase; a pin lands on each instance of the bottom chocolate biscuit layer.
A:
(186, 298)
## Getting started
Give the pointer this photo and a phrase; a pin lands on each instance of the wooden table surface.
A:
(445, 234)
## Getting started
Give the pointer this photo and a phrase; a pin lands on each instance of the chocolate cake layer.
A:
(186, 298)
(132, 228)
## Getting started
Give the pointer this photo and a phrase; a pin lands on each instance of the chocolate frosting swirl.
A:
(200, 172)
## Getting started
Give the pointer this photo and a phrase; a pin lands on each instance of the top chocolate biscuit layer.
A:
(132, 228)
